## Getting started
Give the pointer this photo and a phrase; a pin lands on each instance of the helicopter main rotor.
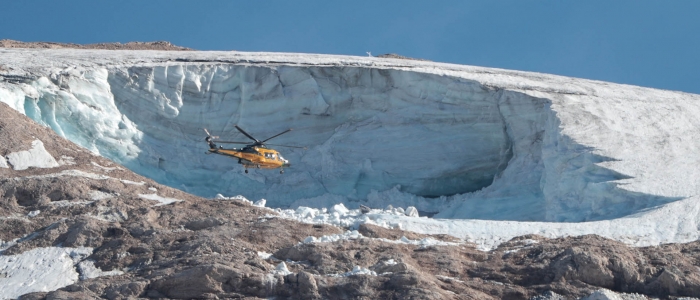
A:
(248, 135)
(257, 142)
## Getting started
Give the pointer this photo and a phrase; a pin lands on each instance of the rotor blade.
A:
(209, 135)
(276, 135)
(276, 145)
(246, 134)
(228, 142)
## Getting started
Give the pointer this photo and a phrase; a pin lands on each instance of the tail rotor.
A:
(210, 139)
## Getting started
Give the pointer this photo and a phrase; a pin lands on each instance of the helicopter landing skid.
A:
(246, 166)
(257, 167)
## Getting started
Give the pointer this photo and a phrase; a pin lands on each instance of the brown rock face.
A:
(200, 248)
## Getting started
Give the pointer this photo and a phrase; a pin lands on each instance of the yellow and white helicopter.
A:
(255, 155)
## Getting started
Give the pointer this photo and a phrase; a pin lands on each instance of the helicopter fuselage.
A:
(254, 157)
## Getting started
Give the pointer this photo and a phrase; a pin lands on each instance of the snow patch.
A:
(36, 157)
(66, 160)
(87, 270)
(76, 173)
(448, 278)
(132, 182)
(39, 270)
(96, 195)
(259, 203)
(357, 270)
(3, 162)
(106, 169)
(162, 200)
(281, 269)
(110, 214)
(65, 203)
(348, 235)
(264, 255)
(424, 242)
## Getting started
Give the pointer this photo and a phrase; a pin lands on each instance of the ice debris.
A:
(259, 203)
(354, 235)
(411, 212)
(605, 294)
(264, 255)
(348, 235)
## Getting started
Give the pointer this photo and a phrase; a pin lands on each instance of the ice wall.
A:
(366, 129)
(376, 136)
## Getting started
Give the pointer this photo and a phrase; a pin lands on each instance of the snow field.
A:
(44, 269)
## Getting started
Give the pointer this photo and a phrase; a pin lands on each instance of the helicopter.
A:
(255, 155)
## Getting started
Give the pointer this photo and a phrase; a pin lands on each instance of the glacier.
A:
(459, 142)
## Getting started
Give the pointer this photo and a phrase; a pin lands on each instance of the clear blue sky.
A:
(647, 43)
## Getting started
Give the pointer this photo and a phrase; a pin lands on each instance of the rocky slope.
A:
(165, 243)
